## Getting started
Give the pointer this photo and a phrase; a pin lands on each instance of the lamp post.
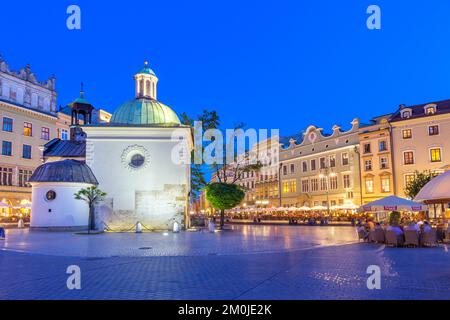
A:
(279, 183)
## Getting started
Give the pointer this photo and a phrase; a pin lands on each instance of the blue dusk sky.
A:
(275, 64)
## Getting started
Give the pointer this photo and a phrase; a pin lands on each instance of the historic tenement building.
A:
(421, 141)
(320, 169)
(29, 119)
(376, 159)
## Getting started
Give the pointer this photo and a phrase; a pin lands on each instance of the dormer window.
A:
(406, 114)
(430, 110)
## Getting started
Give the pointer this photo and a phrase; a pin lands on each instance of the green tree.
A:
(420, 180)
(91, 196)
(394, 218)
(224, 196)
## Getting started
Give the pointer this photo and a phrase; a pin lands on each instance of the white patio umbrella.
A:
(349, 206)
(3, 205)
(436, 191)
(393, 203)
(304, 208)
(319, 208)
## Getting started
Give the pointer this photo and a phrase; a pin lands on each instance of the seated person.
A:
(427, 227)
(396, 229)
(412, 226)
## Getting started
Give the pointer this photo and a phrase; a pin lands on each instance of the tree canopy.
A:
(224, 196)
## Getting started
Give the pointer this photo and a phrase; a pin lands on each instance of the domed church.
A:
(140, 159)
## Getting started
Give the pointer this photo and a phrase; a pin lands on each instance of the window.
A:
(368, 165)
(304, 166)
(284, 170)
(24, 176)
(350, 195)
(435, 155)
(367, 148)
(406, 114)
(408, 157)
(292, 168)
(385, 184)
(45, 133)
(314, 185)
(12, 94)
(409, 178)
(332, 161)
(6, 176)
(382, 146)
(407, 134)
(7, 124)
(384, 163)
(322, 163)
(346, 180)
(137, 161)
(294, 186)
(290, 186)
(64, 134)
(27, 129)
(369, 184)
(7, 148)
(50, 195)
(313, 164)
(430, 111)
(345, 161)
(305, 186)
(26, 152)
(433, 130)
(334, 183)
(323, 184)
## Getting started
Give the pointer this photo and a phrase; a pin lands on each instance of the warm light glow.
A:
(321, 176)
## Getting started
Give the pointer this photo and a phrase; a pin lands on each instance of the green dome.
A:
(145, 112)
(146, 70)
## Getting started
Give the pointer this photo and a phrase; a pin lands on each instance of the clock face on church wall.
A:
(135, 158)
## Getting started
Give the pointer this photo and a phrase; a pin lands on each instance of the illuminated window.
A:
(27, 129)
(304, 166)
(382, 146)
(406, 114)
(367, 148)
(292, 168)
(322, 163)
(369, 184)
(430, 111)
(435, 155)
(408, 157)
(137, 160)
(385, 184)
(64, 134)
(6, 176)
(409, 178)
(24, 176)
(407, 134)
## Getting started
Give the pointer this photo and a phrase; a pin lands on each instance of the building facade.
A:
(421, 141)
(321, 170)
(29, 119)
(376, 161)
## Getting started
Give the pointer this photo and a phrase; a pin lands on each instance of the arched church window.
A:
(137, 160)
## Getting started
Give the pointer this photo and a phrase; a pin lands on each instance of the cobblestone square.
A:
(249, 262)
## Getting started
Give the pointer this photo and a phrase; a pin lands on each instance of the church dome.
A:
(145, 111)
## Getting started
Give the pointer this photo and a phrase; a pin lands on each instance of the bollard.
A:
(138, 227)
(20, 224)
(212, 226)
(176, 227)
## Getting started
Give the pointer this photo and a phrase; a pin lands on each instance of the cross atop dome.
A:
(146, 82)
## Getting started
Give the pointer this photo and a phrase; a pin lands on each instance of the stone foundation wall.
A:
(155, 210)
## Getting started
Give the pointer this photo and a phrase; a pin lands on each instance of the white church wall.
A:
(62, 212)
(154, 194)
